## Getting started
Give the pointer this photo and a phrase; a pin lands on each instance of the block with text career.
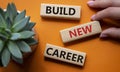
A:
(80, 31)
(65, 55)
(60, 11)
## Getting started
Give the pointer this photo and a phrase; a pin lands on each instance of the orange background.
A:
(102, 55)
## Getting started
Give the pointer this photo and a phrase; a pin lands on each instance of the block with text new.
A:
(80, 31)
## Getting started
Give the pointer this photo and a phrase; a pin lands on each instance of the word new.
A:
(60, 11)
(80, 31)
(66, 55)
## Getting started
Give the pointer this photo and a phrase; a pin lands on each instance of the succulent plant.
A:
(16, 34)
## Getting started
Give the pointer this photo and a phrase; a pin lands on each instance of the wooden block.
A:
(80, 31)
(60, 11)
(65, 55)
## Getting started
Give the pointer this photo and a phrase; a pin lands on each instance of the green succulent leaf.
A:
(22, 35)
(31, 41)
(30, 26)
(18, 60)
(14, 10)
(3, 37)
(11, 11)
(2, 22)
(4, 33)
(2, 12)
(14, 49)
(20, 24)
(8, 32)
(2, 29)
(24, 47)
(20, 16)
(9, 23)
(15, 36)
(26, 34)
(1, 45)
(5, 58)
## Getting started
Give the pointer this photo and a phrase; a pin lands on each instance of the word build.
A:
(80, 31)
(60, 11)
(64, 54)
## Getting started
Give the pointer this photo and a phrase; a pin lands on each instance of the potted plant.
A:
(16, 35)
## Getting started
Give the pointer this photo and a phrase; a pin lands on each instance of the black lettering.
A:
(61, 8)
(74, 57)
(62, 54)
(55, 11)
(71, 11)
(64, 10)
(48, 9)
(55, 53)
(68, 56)
(80, 58)
(48, 51)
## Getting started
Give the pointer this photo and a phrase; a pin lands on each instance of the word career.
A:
(60, 11)
(64, 54)
(80, 31)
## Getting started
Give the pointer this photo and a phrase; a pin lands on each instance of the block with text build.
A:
(64, 54)
(80, 31)
(60, 11)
